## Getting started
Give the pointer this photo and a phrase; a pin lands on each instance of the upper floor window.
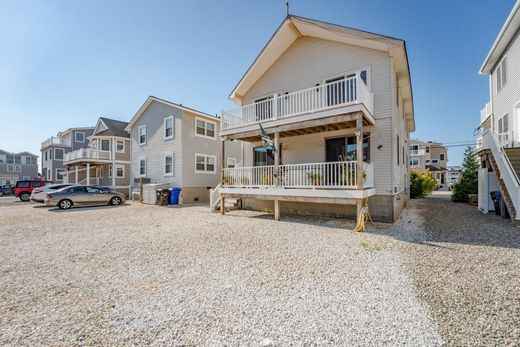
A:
(120, 171)
(120, 146)
(168, 127)
(142, 134)
(105, 145)
(204, 128)
(503, 124)
(44, 154)
(501, 74)
(435, 161)
(442, 156)
(142, 167)
(79, 136)
(58, 153)
(231, 163)
(3, 158)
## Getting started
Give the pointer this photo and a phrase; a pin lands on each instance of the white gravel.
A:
(183, 276)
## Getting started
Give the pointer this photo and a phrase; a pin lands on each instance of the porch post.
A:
(88, 174)
(359, 157)
(222, 159)
(77, 172)
(277, 173)
(113, 155)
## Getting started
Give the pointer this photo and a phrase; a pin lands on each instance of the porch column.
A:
(222, 159)
(88, 174)
(359, 157)
(113, 154)
(277, 173)
(77, 172)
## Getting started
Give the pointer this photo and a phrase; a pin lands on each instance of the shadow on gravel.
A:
(443, 221)
(84, 208)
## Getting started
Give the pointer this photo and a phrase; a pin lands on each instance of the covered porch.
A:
(315, 161)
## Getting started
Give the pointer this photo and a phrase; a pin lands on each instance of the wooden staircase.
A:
(515, 155)
(230, 203)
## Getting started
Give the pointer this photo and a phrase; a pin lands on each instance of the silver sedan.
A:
(83, 196)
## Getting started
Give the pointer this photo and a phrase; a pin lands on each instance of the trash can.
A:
(162, 196)
(495, 196)
(174, 196)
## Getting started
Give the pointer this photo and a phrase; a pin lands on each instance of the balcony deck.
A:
(85, 155)
(330, 106)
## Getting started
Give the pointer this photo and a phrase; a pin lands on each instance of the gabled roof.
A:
(294, 27)
(110, 127)
(151, 99)
(18, 153)
(508, 31)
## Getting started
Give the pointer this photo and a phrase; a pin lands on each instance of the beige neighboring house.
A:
(324, 93)
(106, 160)
(15, 167)
(178, 146)
(432, 156)
(498, 145)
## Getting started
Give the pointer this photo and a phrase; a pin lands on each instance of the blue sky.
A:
(65, 63)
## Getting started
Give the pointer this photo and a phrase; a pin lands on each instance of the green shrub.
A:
(421, 184)
(468, 182)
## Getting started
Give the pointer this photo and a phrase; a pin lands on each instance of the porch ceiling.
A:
(321, 125)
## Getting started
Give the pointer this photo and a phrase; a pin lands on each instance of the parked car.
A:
(39, 194)
(67, 197)
(7, 189)
(24, 189)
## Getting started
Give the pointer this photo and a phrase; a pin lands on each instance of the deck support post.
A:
(88, 174)
(277, 173)
(276, 210)
(359, 159)
(77, 172)
(222, 160)
(113, 155)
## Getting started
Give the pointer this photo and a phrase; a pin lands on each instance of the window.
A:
(231, 163)
(142, 134)
(94, 190)
(37, 184)
(205, 163)
(105, 145)
(59, 175)
(76, 190)
(58, 153)
(398, 143)
(17, 168)
(168, 127)
(45, 155)
(442, 156)
(10, 168)
(120, 146)
(3, 158)
(26, 177)
(109, 171)
(501, 74)
(50, 154)
(27, 160)
(263, 157)
(435, 161)
(427, 161)
(168, 165)
(503, 124)
(427, 149)
(120, 171)
(142, 167)
(414, 162)
(99, 172)
(204, 128)
(79, 136)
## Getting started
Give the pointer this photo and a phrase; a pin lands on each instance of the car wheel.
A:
(116, 200)
(65, 204)
(25, 196)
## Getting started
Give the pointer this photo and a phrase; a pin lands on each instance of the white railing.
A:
(351, 90)
(214, 197)
(94, 181)
(505, 139)
(53, 141)
(416, 152)
(88, 154)
(485, 112)
(310, 175)
(507, 173)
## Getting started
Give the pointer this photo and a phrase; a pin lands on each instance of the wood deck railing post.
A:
(277, 173)
(222, 159)
(359, 157)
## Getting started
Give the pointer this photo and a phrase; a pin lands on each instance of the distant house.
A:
(337, 104)
(432, 156)
(178, 146)
(17, 166)
(498, 145)
(54, 148)
(106, 160)
(454, 173)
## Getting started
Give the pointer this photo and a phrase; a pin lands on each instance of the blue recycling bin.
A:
(173, 198)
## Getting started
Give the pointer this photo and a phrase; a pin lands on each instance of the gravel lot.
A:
(139, 274)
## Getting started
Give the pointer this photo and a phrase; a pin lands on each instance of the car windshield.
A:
(24, 184)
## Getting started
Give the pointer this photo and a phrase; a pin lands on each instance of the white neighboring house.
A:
(498, 145)
(324, 93)
(178, 146)
(454, 173)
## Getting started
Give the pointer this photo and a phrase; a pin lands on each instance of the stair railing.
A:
(214, 197)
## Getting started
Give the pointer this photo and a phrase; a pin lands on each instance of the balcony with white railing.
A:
(417, 152)
(86, 154)
(54, 140)
(346, 92)
(485, 112)
(332, 175)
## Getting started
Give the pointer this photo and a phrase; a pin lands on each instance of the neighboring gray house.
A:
(178, 146)
(17, 166)
(54, 148)
(499, 144)
(106, 160)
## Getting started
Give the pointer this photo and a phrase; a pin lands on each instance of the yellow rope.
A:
(363, 218)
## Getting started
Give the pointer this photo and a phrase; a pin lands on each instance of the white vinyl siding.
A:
(309, 61)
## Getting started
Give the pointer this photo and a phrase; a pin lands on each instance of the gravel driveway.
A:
(138, 274)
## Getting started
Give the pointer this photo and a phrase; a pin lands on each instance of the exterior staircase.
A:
(231, 204)
(503, 189)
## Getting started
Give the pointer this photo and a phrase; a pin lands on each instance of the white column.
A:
(77, 172)
(88, 174)
(113, 151)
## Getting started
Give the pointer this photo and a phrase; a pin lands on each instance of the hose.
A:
(363, 218)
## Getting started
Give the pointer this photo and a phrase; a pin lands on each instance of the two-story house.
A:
(15, 167)
(106, 160)
(498, 145)
(337, 104)
(178, 146)
(54, 148)
(432, 156)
